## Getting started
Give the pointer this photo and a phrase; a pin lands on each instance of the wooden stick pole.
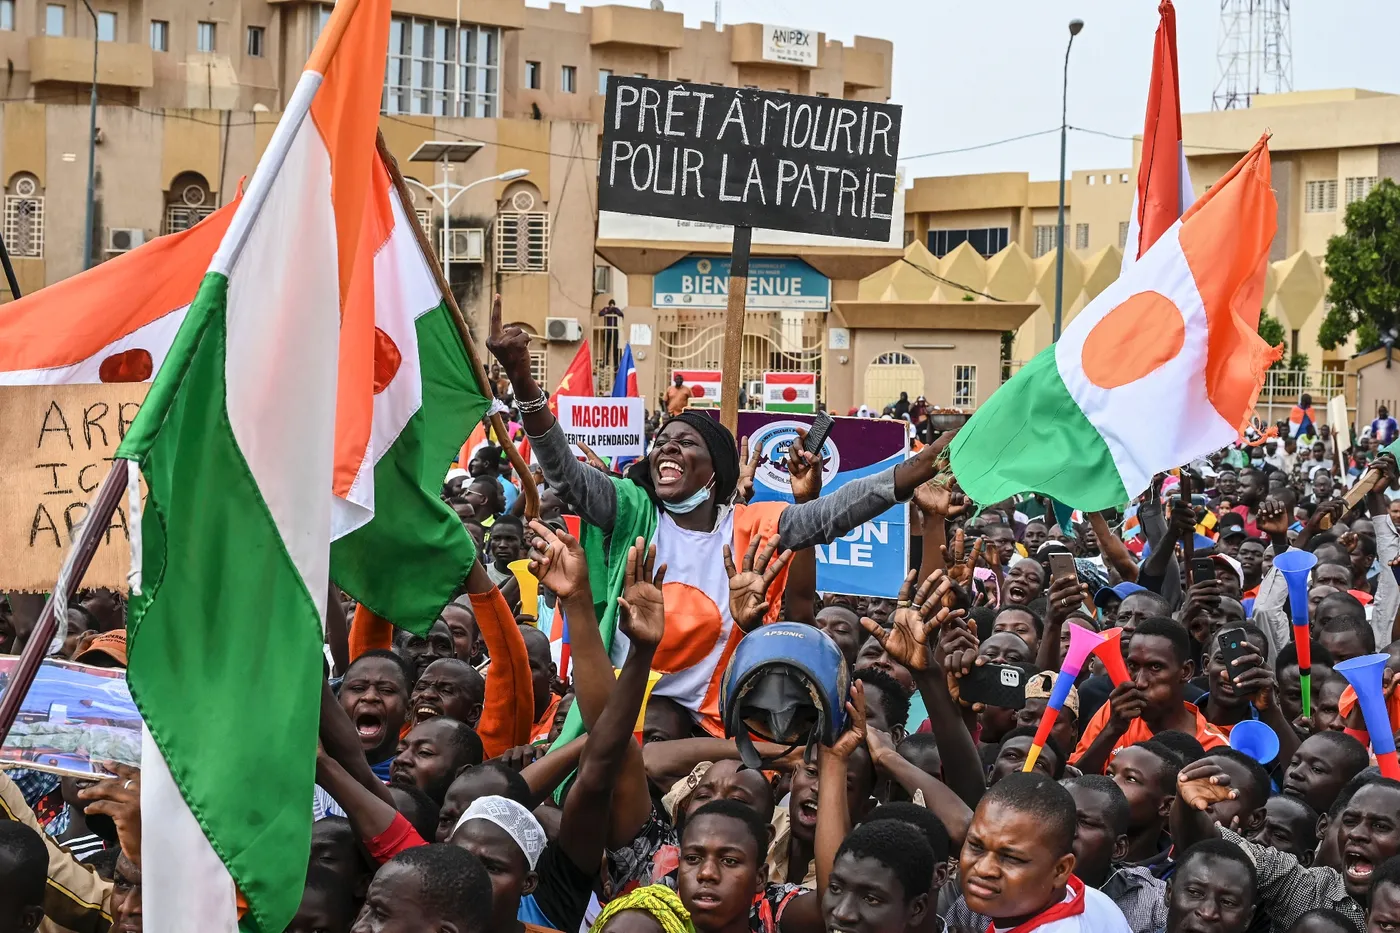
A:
(90, 535)
(527, 482)
(732, 360)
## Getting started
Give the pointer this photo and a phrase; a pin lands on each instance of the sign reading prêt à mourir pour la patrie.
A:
(749, 158)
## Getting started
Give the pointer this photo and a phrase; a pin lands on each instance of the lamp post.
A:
(1074, 26)
(92, 144)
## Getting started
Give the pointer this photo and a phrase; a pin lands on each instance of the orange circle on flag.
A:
(693, 627)
(387, 360)
(128, 366)
(1143, 333)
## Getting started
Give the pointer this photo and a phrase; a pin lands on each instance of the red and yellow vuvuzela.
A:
(1164, 366)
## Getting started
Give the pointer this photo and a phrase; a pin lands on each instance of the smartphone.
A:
(817, 433)
(1062, 566)
(1002, 685)
(1233, 646)
(1202, 568)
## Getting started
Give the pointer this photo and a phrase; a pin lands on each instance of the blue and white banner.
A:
(872, 559)
(774, 285)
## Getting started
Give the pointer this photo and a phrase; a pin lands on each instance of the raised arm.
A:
(833, 809)
(340, 744)
(508, 708)
(951, 809)
(587, 490)
(583, 831)
(560, 564)
(800, 595)
(1114, 551)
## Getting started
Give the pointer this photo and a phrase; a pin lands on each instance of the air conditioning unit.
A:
(124, 239)
(562, 330)
(465, 245)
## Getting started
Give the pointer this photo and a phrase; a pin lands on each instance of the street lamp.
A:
(92, 144)
(445, 192)
(1074, 26)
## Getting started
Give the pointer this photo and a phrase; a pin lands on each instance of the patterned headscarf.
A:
(659, 901)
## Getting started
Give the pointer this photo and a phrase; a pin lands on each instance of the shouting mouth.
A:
(669, 472)
(370, 728)
(425, 711)
(1358, 868)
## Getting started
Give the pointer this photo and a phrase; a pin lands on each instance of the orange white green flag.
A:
(1163, 367)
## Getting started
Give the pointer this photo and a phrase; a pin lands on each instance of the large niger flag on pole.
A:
(1164, 366)
(280, 371)
(407, 393)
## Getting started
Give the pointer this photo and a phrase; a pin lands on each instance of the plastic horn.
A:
(1082, 643)
(1110, 652)
(1295, 566)
(529, 586)
(1255, 739)
(1365, 676)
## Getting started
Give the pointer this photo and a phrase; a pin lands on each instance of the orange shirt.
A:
(542, 727)
(1208, 735)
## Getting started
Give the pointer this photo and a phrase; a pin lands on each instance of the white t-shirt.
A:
(1084, 910)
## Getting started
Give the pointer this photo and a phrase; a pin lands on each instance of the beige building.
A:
(189, 94)
(996, 232)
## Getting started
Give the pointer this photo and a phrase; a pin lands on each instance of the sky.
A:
(969, 73)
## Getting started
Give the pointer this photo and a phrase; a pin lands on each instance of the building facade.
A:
(189, 94)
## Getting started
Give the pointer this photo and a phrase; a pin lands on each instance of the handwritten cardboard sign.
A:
(56, 446)
(748, 157)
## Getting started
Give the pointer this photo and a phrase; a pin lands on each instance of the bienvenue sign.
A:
(750, 158)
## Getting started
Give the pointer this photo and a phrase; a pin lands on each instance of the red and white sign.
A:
(793, 392)
(703, 385)
(611, 427)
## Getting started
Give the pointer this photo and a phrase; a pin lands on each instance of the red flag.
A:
(1164, 185)
(578, 378)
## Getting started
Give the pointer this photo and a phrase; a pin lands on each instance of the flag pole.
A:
(527, 482)
(90, 534)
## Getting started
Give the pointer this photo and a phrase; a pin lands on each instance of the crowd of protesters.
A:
(445, 800)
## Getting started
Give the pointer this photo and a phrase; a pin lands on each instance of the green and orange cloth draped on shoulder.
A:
(1163, 367)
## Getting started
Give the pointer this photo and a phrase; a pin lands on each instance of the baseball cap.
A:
(1041, 685)
(1122, 591)
(1228, 561)
(1233, 531)
(104, 649)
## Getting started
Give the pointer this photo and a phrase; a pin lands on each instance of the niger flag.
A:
(1163, 367)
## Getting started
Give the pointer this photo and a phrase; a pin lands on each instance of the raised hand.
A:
(1256, 679)
(641, 610)
(906, 640)
(854, 736)
(804, 470)
(1125, 704)
(120, 799)
(1066, 594)
(947, 501)
(749, 584)
(749, 462)
(961, 561)
(557, 560)
(510, 345)
(1272, 518)
(1203, 784)
(881, 745)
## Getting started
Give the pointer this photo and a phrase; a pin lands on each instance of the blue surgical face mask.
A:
(691, 502)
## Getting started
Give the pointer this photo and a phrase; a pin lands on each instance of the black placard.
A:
(749, 158)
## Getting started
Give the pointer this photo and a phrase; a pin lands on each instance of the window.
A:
(964, 385)
(24, 218)
(255, 42)
(1123, 178)
(1093, 179)
(7, 15)
(160, 35)
(439, 69)
(988, 241)
(539, 366)
(1122, 234)
(639, 74)
(532, 75)
(602, 280)
(1046, 238)
(1359, 186)
(54, 15)
(106, 26)
(1320, 196)
(823, 94)
(205, 37)
(1081, 236)
(522, 241)
(188, 202)
(1108, 179)
(603, 75)
(568, 79)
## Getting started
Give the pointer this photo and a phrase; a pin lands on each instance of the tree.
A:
(1364, 266)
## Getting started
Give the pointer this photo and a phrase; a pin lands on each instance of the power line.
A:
(997, 142)
(936, 277)
(1185, 145)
